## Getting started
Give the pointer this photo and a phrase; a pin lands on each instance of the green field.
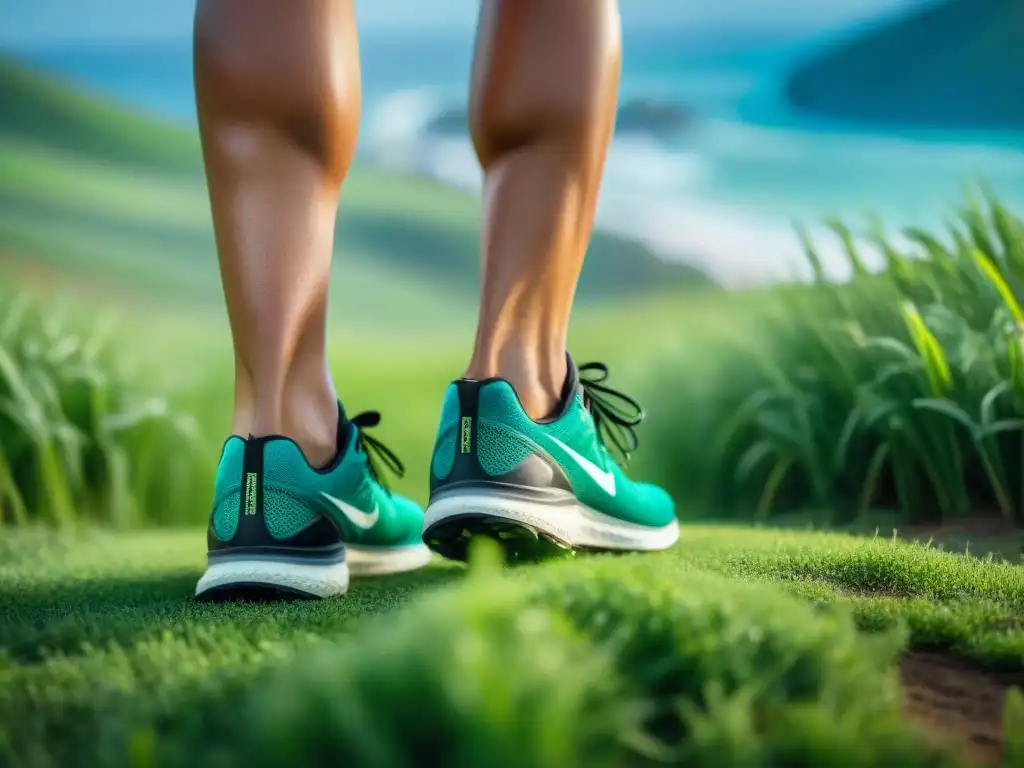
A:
(745, 646)
(738, 648)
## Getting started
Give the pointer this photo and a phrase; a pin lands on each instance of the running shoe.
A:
(541, 487)
(280, 525)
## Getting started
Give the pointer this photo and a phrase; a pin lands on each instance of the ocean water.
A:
(723, 194)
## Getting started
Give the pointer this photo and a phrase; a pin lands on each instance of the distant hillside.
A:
(85, 184)
(958, 64)
(44, 110)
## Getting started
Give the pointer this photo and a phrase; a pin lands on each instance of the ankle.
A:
(538, 379)
(314, 427)
(309, 416)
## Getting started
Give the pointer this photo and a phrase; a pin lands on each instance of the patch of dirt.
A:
(956, 703)
(978, 524)
(979, 535)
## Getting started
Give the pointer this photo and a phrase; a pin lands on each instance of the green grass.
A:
(697, 656)
(49, 112)
(79, 443)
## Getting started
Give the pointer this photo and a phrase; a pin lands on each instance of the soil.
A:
(956, 703)
(952, 699)
(979, 535)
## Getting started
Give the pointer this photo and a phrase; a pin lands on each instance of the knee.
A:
(530, 86)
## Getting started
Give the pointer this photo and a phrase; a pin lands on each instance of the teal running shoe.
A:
(279, 525)
(540, 487)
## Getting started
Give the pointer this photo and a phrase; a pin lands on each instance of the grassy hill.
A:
(52, 113)
(955, 64)
(96, 191)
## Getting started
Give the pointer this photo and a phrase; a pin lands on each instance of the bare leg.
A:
(542, 110)
(278, 95)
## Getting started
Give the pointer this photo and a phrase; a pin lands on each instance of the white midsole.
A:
(576, 525)
(376, 561)
(321, 580)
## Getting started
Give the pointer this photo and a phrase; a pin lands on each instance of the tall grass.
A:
(77, 441)
(902, 390)
(171, 373)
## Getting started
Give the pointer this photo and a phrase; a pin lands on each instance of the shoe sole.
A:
(268, 578)
(381, 561)
(532, 530)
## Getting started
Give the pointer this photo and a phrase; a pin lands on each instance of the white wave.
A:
(395, 131)
(738, 246)
(638, 163)
(453, 161)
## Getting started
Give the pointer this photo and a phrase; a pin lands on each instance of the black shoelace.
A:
(615, 414)
(374, 449)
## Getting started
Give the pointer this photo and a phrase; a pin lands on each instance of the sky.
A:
(30, 23)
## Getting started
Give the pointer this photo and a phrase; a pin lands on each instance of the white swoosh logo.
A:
(605, 479)
(357, 517)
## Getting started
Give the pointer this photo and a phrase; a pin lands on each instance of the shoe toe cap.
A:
(661, 505)
(408, 520)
